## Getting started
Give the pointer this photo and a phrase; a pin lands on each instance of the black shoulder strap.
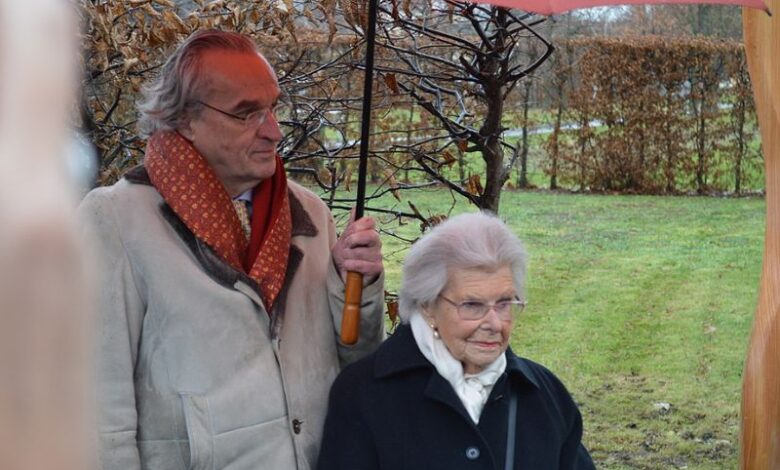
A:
(509, 463)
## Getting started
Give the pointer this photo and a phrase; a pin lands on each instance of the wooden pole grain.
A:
(760, 426)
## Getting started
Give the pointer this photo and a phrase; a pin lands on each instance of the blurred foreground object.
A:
(761, 386)
(82, 163)
(43, 316)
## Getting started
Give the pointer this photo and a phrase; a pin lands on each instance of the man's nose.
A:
(270, 129)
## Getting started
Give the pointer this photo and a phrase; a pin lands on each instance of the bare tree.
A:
(458, 62)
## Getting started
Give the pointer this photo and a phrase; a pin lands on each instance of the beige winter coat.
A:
(192, 371)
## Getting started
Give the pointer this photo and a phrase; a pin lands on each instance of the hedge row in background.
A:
(651, 115)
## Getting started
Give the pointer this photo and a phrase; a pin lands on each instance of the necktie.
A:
(243, 216)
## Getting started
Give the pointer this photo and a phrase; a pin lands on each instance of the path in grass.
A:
(643, 306)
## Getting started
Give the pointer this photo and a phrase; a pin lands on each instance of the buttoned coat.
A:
(393, 411)
(193, 373)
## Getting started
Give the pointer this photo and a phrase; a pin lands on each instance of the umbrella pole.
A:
(350, 322)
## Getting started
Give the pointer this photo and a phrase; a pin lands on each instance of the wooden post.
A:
(760, 427)
(44, 399)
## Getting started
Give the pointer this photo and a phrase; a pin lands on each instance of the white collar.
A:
(473, 390)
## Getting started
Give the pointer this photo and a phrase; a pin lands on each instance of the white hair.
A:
(169, 97)
(477, 240)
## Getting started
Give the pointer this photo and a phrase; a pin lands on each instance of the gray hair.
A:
(168, 98)
(476, 240)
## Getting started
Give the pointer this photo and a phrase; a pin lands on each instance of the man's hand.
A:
(359, 249)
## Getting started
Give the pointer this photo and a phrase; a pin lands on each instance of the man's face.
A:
(237, 83)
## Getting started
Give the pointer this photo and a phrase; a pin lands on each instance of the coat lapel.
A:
(438, 389)
(222, 272)
(400, 354)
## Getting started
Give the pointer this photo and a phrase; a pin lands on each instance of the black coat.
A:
(393, 411)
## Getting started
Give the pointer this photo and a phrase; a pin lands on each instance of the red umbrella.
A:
(554, 7)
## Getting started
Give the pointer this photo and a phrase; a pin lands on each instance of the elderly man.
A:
(223, 284)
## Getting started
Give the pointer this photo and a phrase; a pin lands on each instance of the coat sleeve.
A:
(372, 326)
(347, 443)
(574, 455)
(120, 311)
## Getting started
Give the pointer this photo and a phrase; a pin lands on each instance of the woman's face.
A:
(475, 343)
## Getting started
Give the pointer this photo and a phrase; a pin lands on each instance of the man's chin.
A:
(264, 173)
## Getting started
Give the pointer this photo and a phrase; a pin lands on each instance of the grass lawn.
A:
(643, 306)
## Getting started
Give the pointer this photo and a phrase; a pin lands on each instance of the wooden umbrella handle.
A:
(760, 447)
(350, 321)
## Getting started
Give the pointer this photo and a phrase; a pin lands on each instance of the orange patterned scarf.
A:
(189, 185)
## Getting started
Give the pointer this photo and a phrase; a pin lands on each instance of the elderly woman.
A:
(445, 391)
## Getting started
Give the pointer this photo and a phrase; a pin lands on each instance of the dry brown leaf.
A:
(463, 145)
(391, 82)
(407, 7)
(149, 9)
(392, 310)
(393, 184)
(348, 179)
(435, 220)
(129, 63)
(415, 210)
(173, 19)
(213, 5)
(324, 174)
(449, 158)
(474, 185)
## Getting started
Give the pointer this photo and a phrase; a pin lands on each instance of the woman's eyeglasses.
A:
(476, 310)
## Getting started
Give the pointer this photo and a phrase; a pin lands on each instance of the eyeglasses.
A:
(475, 310)
(255, 118)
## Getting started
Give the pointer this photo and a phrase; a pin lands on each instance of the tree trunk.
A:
(555, 144)
(669, 161)
(740, 146)
(522, 181)
(492, 151)
(584, 128)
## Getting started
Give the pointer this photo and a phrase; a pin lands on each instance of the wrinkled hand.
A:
(359, 249)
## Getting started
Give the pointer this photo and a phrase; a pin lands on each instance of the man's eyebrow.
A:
(247, 105)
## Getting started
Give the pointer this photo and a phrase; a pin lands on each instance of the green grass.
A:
(633, 301)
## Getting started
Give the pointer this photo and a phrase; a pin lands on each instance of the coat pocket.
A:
(198, 422)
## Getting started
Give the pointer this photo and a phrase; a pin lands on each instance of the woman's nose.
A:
(492, 319)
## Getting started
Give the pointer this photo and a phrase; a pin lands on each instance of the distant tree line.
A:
(650, 115)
